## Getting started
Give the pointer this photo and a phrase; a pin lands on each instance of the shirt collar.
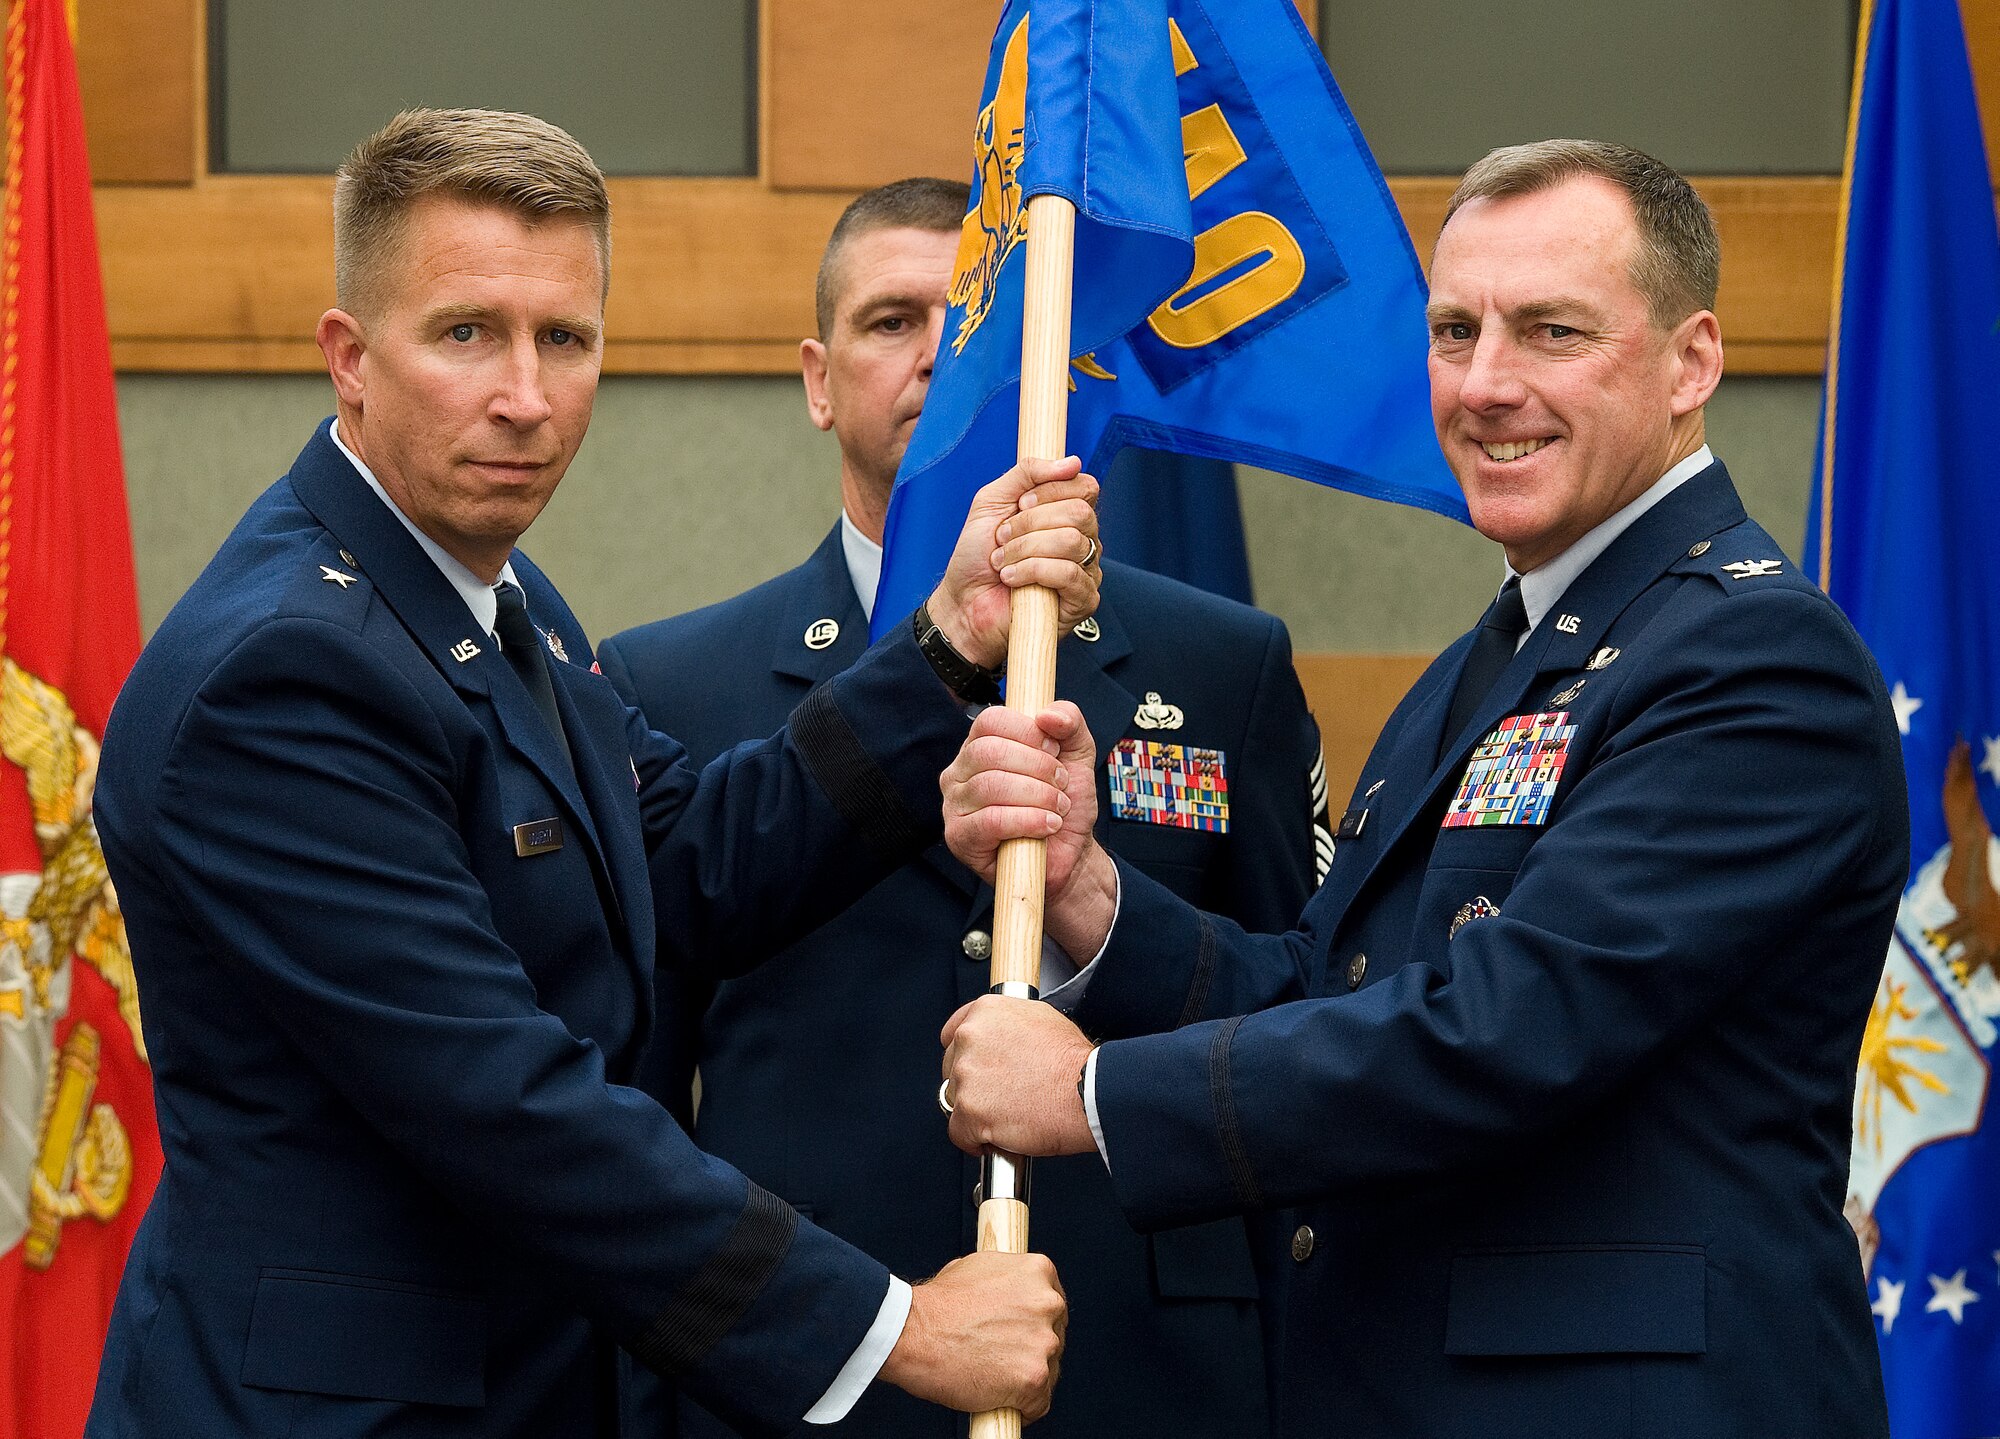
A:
(477, 594)
(864, 563)
(1542, 586)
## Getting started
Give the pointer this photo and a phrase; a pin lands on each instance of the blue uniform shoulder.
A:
(1743, 559)
(1153, 605)
(713, 632)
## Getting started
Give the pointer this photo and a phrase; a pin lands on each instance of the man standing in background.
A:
(818, 1070)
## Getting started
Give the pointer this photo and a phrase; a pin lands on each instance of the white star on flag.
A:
(1888, 1303)
(1950, 1295)
(1906, 705)
(1991, 764)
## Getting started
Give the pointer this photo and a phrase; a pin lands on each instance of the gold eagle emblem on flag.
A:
(997, 221)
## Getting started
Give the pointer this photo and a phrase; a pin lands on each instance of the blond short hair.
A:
(484, 157)
(1679, 260)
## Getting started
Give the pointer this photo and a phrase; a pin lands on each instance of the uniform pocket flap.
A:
(1204, 1261)
(1634, 1299)
(1498, 847)
(365, 1338)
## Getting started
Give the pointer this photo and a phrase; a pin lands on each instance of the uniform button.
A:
(1357, 970)
(1302, 1243)
(978, 945)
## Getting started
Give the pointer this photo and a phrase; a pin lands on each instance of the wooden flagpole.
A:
(1031, 688)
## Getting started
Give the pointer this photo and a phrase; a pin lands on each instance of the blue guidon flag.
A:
(1244, 287)
(1903, 531)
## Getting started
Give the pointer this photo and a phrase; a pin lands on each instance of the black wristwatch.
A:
(961, 676)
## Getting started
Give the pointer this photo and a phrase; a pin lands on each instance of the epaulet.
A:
(1741, 559)
(329, 585)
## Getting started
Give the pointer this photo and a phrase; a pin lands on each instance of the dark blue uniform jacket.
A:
(408, 1191)
(1566, 1104)
(820, 1070)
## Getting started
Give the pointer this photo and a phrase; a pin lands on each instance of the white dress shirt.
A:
(1541, 587)
(866, 1362)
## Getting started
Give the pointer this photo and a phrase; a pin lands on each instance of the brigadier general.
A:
(1559, 1061)
(818, 1070)
(396, 862)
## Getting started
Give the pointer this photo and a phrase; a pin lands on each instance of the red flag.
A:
(79, 1149)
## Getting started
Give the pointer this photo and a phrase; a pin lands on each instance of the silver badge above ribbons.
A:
(1154, 714)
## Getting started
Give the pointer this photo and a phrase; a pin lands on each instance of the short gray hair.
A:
(1679, 261)
(485, 157)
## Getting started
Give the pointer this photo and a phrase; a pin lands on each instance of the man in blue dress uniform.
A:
(1559, 1061)
(818, 1070)
(396, 862)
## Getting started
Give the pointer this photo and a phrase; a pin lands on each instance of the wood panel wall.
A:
(224, 273)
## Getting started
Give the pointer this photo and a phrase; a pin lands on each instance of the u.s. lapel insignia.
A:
(1569, 624)
(1154, 714)
(347, 559)
(335, 577)
(1373, 788)
(1478, 907)
(1513, 775)
(1558, 701)
(1754, 569)
(1603, 658)
(821, 633)
(556, 645)
(1700, 548)
(1087, 630)
(1169, 784)
(464, 650)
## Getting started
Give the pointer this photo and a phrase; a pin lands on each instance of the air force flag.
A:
(1902, 533)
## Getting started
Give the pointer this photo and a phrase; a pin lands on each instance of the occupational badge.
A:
(1478, 907)
(1567, 695)
(1603, 658)
(1154, 714)
(1512, 776)
(1169, 784)
(556, 645)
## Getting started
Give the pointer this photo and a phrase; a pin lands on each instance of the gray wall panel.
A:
(648, 87)
(689, 490)
(1710, 86)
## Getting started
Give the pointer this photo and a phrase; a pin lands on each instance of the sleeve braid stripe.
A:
(723, 1289)
(1231, 1139)
(857, 786)
(1204, 973)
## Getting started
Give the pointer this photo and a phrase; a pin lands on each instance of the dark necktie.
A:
(1499, 636)
(521, 646)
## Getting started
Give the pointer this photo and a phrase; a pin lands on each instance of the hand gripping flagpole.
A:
(1031, 688)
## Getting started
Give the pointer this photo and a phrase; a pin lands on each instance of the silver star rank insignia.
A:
(335, 577)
